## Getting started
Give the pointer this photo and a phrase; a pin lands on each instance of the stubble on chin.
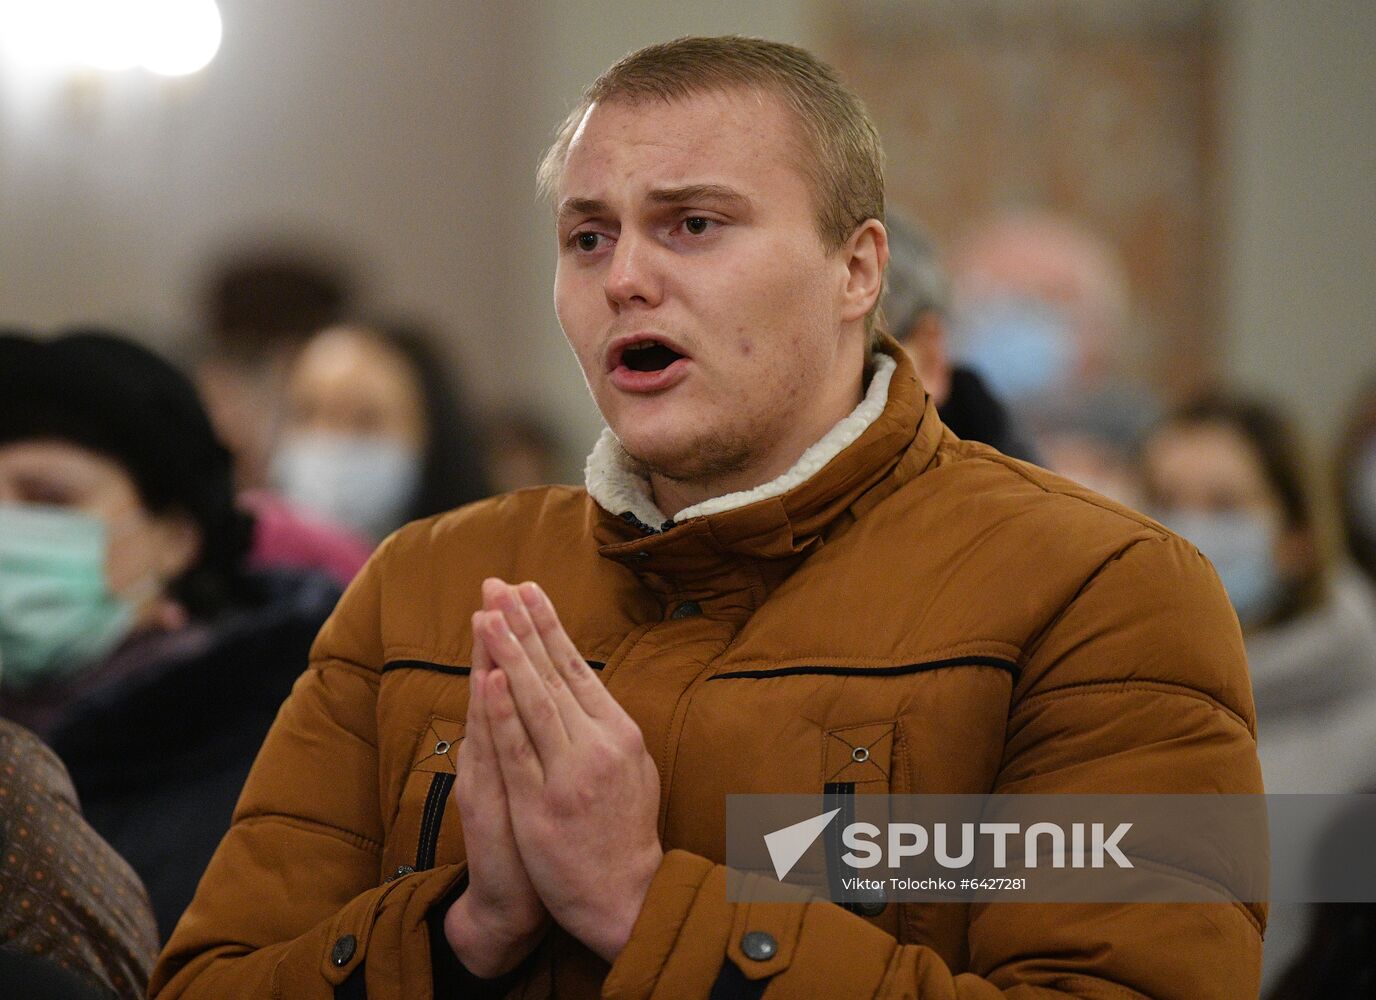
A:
(708, 458)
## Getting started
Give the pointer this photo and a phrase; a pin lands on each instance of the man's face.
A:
(713, 327)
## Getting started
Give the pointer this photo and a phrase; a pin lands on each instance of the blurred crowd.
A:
(173, 536)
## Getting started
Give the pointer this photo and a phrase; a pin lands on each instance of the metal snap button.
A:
(688, 609)
(344, 950)
(759, 946)
(441, 748)
(870, 909)
(860, 754)
(871, 902)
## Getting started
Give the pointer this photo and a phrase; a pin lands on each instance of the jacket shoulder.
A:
(506, 517)
(413, 599)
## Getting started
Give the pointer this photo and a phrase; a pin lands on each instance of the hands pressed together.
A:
(558, 796)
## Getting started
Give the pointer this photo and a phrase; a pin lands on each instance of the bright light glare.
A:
(106, 35)
(180, 36)
(34, 34)
(169, 37)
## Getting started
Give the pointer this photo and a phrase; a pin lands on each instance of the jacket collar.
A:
(890, 436)
(621, 485)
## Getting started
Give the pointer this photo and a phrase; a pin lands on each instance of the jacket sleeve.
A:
(292, 904)
(1138, 685)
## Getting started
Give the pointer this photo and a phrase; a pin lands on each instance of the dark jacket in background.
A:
(975, 414)
(160, 739)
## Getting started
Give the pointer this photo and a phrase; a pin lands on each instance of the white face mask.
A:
(364, 483)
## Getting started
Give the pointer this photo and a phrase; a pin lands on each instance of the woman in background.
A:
(134, 640)
(374, 434)
(1226, 474)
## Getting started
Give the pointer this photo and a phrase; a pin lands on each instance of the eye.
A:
(52, 493)
(585, 241)
(696, 225)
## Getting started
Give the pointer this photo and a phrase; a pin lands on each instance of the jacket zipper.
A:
(435, 801)
(841, 795)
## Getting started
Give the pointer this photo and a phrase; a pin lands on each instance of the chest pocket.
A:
(860, 756)
(854, 759)
(426, 799)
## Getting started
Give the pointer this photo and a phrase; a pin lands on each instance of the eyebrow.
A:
(687, 194)
(697, 192)
(582, 206)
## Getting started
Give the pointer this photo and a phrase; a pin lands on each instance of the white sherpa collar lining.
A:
(619, 483)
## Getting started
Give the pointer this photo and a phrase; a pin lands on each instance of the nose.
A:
(634, 276)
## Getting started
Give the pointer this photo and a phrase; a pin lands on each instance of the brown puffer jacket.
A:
(980, 623)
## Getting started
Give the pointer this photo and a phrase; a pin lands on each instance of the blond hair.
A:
(842, 158)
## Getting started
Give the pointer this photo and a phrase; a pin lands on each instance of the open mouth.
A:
(648, 356)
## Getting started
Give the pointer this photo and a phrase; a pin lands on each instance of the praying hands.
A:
(558, 796)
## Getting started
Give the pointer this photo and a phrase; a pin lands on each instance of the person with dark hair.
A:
(1226, 472)
(134, 640)
(258, 307)
(916, 305)
(374, 434)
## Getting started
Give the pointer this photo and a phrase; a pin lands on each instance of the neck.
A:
(675, 495)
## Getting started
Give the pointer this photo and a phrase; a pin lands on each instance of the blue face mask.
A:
(57, 615)
(1023, 348)
(1242, 548)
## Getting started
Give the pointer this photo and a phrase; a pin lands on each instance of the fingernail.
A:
(530, 594)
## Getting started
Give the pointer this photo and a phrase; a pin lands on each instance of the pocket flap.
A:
(438, 747)
(858, 754)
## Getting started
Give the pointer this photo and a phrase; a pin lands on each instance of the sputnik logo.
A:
(788, 845)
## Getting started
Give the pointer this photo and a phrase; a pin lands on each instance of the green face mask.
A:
(57, 615)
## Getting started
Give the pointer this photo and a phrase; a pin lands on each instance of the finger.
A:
(478, 777)
(585, 685)
(519, 621)
(516, 754)
(482, 659)
(493, 589)
(477, 734)
(481, 666)
(529, 694)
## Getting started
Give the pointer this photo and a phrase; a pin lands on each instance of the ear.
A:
(178, 544)
(865, 254)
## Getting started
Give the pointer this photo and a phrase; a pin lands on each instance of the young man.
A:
(781, 555)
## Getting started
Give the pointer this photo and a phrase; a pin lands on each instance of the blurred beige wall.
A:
(406, 135)
(403, 135)
(1300, 260)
